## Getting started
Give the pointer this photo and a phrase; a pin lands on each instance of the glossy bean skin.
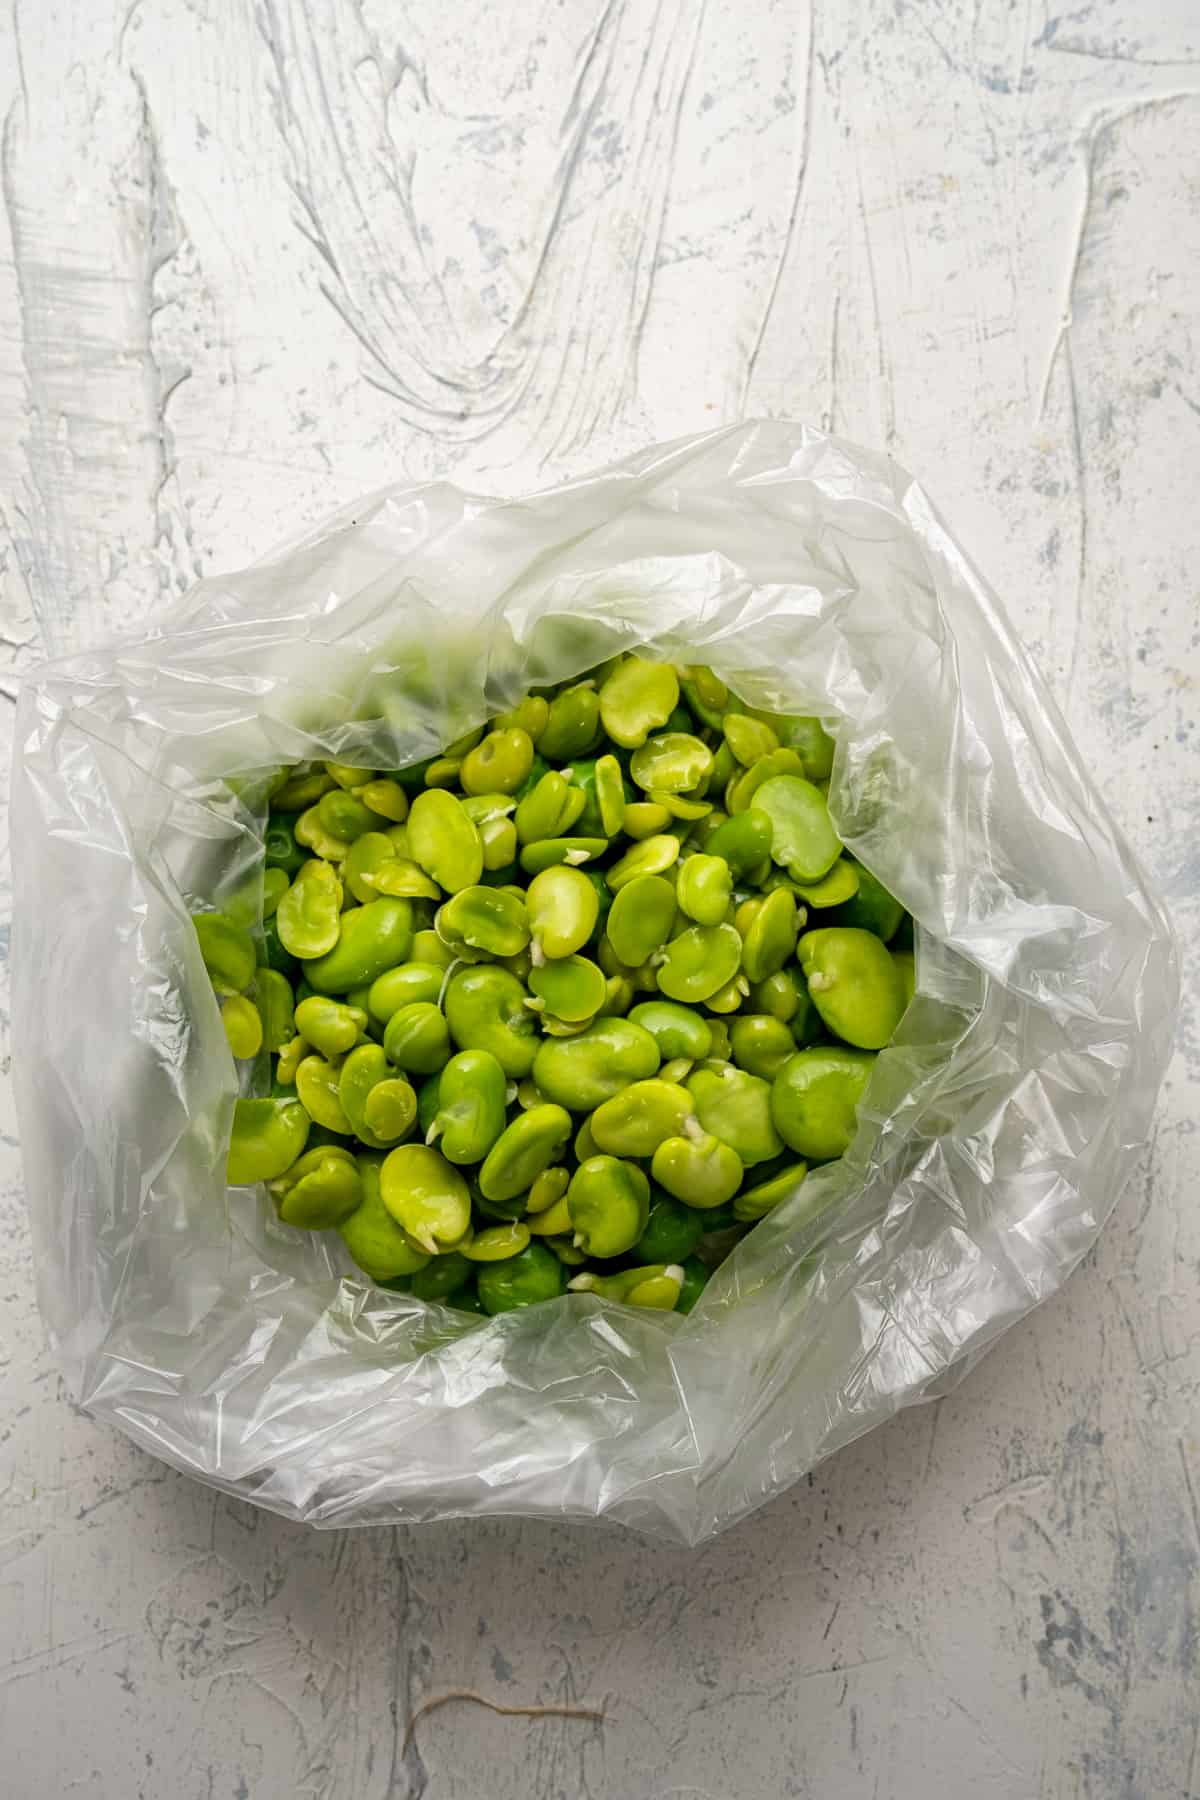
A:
(426, 1196)
(736, 1108)
(562, 909)
(401, 986)
(533, 1141)
(802, 836)
(370, 939)
(485, 1010)
(378, 1245)
(609, 1202)
(815, 1097)
(636, 1121)
(699, 962)
(319, 1191)
(761, 1044)
(417, 1038)
(677, 1030)
(471, 1106)
(638, 697)
(701, 1172)
(228, 952)
(671, 1233)
(444, 841)
(704, 888)
(641, 918)
(582, 1072)
(854, 984)
(267, 1138)
(523, 1280)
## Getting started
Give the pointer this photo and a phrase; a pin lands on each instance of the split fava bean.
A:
(557, 958)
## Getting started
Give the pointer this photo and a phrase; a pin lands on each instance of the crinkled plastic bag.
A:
(995, 1136)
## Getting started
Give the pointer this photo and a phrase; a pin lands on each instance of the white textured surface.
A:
(261, 257)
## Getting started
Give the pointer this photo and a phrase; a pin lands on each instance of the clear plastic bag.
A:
(995, 1136)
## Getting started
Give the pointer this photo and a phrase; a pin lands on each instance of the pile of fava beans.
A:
(567, 1008)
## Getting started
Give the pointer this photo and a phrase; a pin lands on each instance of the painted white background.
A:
(259, 255)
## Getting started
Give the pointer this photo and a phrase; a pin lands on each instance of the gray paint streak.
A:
(502, 244)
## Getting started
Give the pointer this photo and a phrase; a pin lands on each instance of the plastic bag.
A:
(995, 1136)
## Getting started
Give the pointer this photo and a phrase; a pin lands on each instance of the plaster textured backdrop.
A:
(258, 257)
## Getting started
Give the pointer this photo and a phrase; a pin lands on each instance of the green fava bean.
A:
(499, 840)
(370, 939)
(547, 1188)
(417, 1038)
(389, 1112)
(743, 841)
(485, 1010)
(653, 856)
(871, 908)
(814, 1100)
(771, 937)
(655, 1285)
(645, 818)
(609, 1203)
(275, 885)
(364, 1070)
(441, 1277)
(312, 833)
(641, 918)
(672, 1232)
(319, 1191)
(572, 989)
(328, 1025)
(549, 853)
(554, 1220)
(802, 836)
(677, 1030)
(427, 947)
(524, 1280)
(400, 879)
(499, 764)
(637, 698)
(411, 981)
(267, 1138)
(275, 1005)
(699, 962)
(301, 791)
(809, 739)
(761, 1044)
(562, 909)
(550, 809)
(317, 1084)
(706, 695)
(743, 785)
(748, 738)
(778, 994)
(491, 920)
(700, 1171)
(755, 1203)
(345, 817)
(609, 788)
(704, 888)
(426, 1196)
(854, 984)
(532, 714)
(533, 1141)
(582, 1072)
(280, 849)
(695, 1279)
(498, 1243)
(428, 1099)
(349, 775)
(636, 1121)
(442, 838)
(571, 724)
(228, 952)
(365, 857)
(839, 885)
(243, 1026)
(385, 797)
(672, 763)
(371, 1235)
(471, 1106)
(736, 1107)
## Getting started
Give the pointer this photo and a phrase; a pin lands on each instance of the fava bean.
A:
(814, 1100)
(562, 910)
(609, 1202)
(426, 1196)
(854, 984)
(582, 1072)
(641, 918)
(267, 1138)
(471, 1106)
(535, 1274)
